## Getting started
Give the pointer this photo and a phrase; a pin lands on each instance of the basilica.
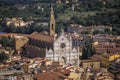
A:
(62, 50)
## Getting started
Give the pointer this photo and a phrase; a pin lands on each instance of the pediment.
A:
(74, 50)
(62, 38)
(50, 51)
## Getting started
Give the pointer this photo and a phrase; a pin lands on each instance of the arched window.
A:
(52, 27)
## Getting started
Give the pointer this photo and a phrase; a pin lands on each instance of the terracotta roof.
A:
(37, 59)
(104, 74)
(111, 50)
(41, 37)
(118, 76)
(12, 34)
(4, 66)
(19, 77)
(48, 75)
(35, 35)
(89, 60)
(110, 54)
(64, 72)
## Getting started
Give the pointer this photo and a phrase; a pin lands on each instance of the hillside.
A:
(86, 12)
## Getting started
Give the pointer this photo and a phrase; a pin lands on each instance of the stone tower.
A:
(52, 23)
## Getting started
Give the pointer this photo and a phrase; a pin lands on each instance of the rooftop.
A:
(48, 75)
(40, 36)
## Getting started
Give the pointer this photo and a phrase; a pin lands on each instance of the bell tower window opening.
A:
(52, 27)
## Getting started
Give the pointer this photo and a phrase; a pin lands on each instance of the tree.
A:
(84, 55)
(96, 32)
(10, 28)
(107, 31)
(3, 57)
(88, 50)
(7, 41)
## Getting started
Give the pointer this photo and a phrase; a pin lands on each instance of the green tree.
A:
(6, 41)
(10, 28)
(96, 32)
(107, 31)
(84, 55)
(3, 57)
(88, 50)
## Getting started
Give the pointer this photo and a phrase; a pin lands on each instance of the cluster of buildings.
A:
(17, 22)
(76, 28)
(51, 56)
(66, 1)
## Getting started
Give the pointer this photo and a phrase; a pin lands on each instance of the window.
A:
(62, 45)
(52, 27)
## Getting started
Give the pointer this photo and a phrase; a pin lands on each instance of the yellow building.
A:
(20, 41)
(16, 22)
(90, 64)
(107, 58)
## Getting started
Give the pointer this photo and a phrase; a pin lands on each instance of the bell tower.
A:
(52, 23)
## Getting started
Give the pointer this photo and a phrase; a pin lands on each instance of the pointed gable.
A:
(50, 51)
(62, 38)
(74, 50)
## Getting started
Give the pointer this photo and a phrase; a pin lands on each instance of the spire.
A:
(52, 22)
(51, 9)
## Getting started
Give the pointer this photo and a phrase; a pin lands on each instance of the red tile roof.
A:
(48, 75)
(41, 37)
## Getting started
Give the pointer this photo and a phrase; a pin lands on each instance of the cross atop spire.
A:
(51, 9)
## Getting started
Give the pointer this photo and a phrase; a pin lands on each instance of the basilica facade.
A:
(62, 50)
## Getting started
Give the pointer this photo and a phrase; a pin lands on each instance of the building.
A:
(101, 28)
(39, 41)
(107, 58)
(48, 75)
(5, 70)
(52, 23)
(118, 77)
(78, 29)
(17, 22)
(87, 29)
(37, 44)
(90, 64)
(20, 41)
(58, 1)
(66, 1)
(115, 66)
(103, 74)
(63, 50)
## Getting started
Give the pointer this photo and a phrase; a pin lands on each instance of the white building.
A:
(63, 50)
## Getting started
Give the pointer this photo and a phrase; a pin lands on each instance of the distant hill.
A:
(13, 2)
(86, 12)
